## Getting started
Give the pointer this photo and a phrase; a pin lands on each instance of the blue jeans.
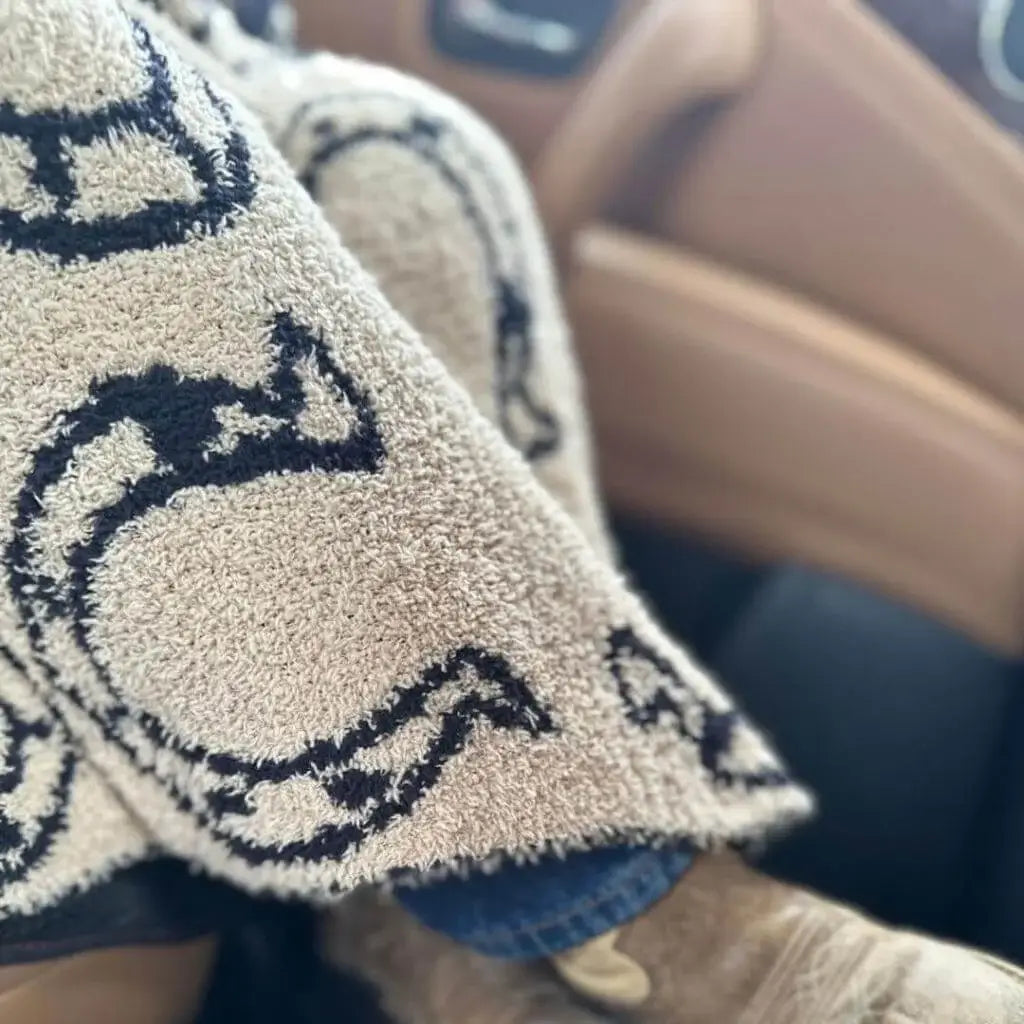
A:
(524, 911)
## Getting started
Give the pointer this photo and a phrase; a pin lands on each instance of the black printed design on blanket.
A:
(203, 187)
(37, 768)
(467, 689)
(211, 432)
(528, 424)
(654, 695)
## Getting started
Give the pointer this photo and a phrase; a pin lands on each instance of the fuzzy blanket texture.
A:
(304, 579)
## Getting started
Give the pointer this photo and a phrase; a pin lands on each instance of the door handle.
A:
(533, 37)
(997, 18)
(488, 19)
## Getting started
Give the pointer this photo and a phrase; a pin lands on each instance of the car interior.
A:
(786, 238)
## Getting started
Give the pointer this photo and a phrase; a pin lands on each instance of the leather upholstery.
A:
(131, 985)
(844, 173)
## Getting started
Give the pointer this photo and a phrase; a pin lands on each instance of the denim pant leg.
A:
(523, 911)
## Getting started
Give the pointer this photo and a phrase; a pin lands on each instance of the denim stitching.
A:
(634, 887)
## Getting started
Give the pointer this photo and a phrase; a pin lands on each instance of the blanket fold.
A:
(303, 575)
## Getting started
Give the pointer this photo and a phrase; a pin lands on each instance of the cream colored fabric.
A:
(432, 203)
(277, 598)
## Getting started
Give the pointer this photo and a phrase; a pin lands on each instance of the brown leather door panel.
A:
(525, 109)
(851, 172)
(731, 409)
(848, 170)
(159, 984)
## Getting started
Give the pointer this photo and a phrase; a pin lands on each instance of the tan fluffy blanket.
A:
(303, 577)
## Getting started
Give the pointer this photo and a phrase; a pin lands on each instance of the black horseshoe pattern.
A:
(527, 422)
(224, 182)
(179, 417)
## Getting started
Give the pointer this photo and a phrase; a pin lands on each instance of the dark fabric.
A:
(894, 720)
(526, 911)
(993, 899)
(269, 972)
(696, 589)
(907, 731)
(155, 902)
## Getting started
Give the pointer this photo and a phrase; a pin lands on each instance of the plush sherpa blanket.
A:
(281, 592)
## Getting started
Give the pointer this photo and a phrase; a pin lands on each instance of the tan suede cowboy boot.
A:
(727, 946)
(730, 945)
(425, 978)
